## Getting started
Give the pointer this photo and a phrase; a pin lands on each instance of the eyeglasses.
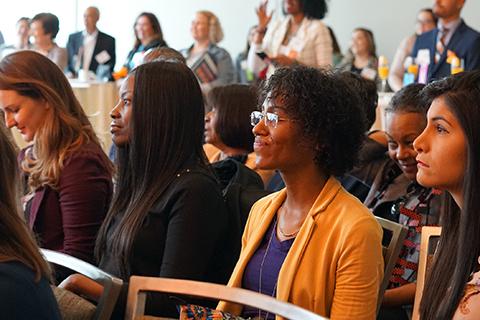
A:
(271, 119)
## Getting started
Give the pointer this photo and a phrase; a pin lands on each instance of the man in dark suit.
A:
(451, 37)
(91, 49)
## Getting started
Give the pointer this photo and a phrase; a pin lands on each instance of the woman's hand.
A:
(83, 286)
(263, 17)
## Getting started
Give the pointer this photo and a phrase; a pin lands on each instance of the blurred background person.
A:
(451, 37)
(426, 21)
(91, 50)
(44, 29)
(211, 64)
(148, 35)
(25, 292)
(301, 37)
(361, 57)
(68, 176)
(337, 55)
(228, 133)
(243, 74)
(22, 41)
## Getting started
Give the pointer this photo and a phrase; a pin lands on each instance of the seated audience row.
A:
(165, 209)
(310, 129)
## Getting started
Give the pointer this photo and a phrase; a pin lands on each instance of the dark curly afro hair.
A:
(327, 110)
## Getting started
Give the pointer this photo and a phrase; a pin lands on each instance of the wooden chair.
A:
(426, 253)
(391, 252)
(138, 287)
(111, 285)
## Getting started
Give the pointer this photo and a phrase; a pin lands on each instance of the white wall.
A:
(390, 20)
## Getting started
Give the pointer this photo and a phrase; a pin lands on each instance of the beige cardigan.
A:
(335, 265)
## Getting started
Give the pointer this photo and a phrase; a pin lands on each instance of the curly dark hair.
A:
(367, 91)
(327, 110)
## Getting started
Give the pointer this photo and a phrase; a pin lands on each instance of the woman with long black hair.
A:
(449, 159)
(167, 217)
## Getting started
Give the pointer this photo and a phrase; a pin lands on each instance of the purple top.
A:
(272, 252)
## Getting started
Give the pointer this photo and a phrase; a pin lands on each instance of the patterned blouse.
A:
(469, 306)
(414, 210)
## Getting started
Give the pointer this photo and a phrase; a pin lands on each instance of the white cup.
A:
(82, 75)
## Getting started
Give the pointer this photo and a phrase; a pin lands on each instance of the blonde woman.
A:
(204, 54)
(68, 174)
(23, 272)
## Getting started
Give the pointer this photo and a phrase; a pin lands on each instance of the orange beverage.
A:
(456, 65)
(383, 72)
(413, 69)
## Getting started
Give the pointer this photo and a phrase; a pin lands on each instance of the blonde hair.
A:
(17, 241)
(215, 31)
(66, 127)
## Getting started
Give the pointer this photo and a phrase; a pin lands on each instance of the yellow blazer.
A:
(335, 265)
(213, 155)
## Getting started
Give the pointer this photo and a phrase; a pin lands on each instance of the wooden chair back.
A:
(391, 252)
(425, 257)
(139, 286)
(112, 285)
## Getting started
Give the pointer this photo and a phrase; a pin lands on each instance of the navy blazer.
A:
(465, 42)
(104, 43)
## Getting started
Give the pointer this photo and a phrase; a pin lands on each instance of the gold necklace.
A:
(287, 235)
(283, 233)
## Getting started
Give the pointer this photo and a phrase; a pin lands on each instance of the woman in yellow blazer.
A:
(311, 244)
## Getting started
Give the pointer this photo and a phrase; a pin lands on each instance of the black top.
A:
(21, 297)
(182, 237)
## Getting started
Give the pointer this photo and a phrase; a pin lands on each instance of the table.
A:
(97, 100)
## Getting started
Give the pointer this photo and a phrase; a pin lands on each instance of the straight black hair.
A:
(459, 247)
(233, 104)
(166, 133)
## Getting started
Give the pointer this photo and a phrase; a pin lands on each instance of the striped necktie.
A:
(440, 47)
